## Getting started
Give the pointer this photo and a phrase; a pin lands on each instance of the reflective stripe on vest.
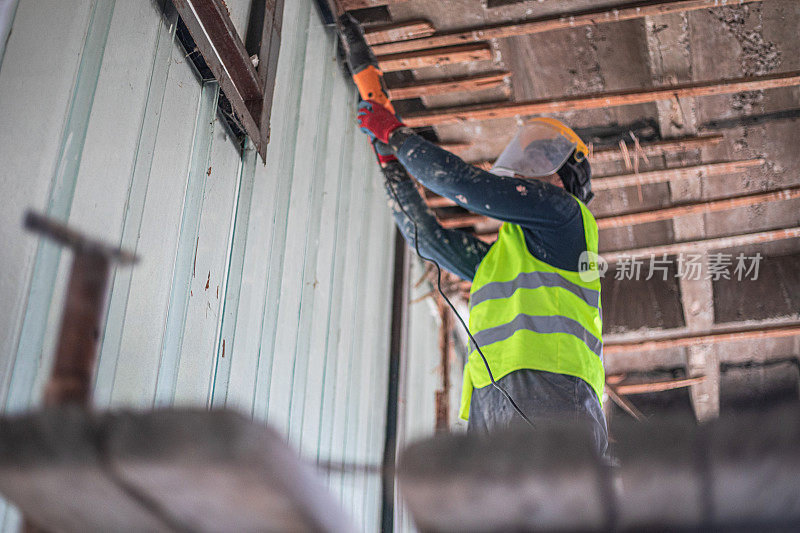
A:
(528, 314)
(540, 324)
(532, 280)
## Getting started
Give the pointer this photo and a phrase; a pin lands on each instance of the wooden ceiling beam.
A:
(561, 21)
(646, 178)
(399, 31)
(450, 115)
(718, 243)
(656, 386)
(435, 57)
(669, 174)
(658, 148)
(655, 215)
(755, 333)
(454, 85)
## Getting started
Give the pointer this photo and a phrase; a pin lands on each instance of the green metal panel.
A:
(262, 287)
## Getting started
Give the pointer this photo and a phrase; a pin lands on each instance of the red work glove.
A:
(376, 121)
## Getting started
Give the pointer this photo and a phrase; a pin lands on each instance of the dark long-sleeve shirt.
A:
(550, 217)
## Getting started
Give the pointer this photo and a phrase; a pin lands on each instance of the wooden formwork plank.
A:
(556, 22)
(654, 215)
(457, 114)
(454, 85)
(399, 31)
(719, 243)
(647, 178)
(692, 340)
(434, 57)
(670, 174)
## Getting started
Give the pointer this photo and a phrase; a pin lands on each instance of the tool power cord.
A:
(496, 385)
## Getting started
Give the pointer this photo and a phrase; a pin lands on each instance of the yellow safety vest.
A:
(527, 314)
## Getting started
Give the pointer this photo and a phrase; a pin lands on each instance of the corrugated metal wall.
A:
(264, 288)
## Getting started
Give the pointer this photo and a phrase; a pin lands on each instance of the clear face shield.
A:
(539, 149)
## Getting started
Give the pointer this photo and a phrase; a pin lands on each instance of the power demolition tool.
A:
(363, 63)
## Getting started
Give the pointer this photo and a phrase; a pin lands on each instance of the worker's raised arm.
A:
(456, 251)
(529, 203)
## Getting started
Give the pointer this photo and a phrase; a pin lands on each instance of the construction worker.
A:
(535, 300)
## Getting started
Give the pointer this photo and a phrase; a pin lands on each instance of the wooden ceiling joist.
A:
(561, 21)
(719, 243)
(655, 215)
(670, 174)
(400, 31)
(647, 178)
(658, 148)
(454, 85)
(712, 338)
(451, 115)
(447, 55)
(656, 386)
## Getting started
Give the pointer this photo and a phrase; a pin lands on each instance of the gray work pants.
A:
(541, 396)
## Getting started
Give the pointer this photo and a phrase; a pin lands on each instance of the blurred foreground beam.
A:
(734, 241)
(691, 340)
(455, 85)
(450, 115)
(561, 21)
(435, 57)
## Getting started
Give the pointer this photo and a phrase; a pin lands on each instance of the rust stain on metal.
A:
(208, 281)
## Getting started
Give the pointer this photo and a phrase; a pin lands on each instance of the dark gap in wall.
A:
(750, 120)
(224, 108)
(372, 15)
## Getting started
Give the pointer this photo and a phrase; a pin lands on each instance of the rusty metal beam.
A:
(399, 31)
(454, 85)
(561, 21)
(719, 243)
(434, 57)
(712, 338)
(655, 215)
(450, 115)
